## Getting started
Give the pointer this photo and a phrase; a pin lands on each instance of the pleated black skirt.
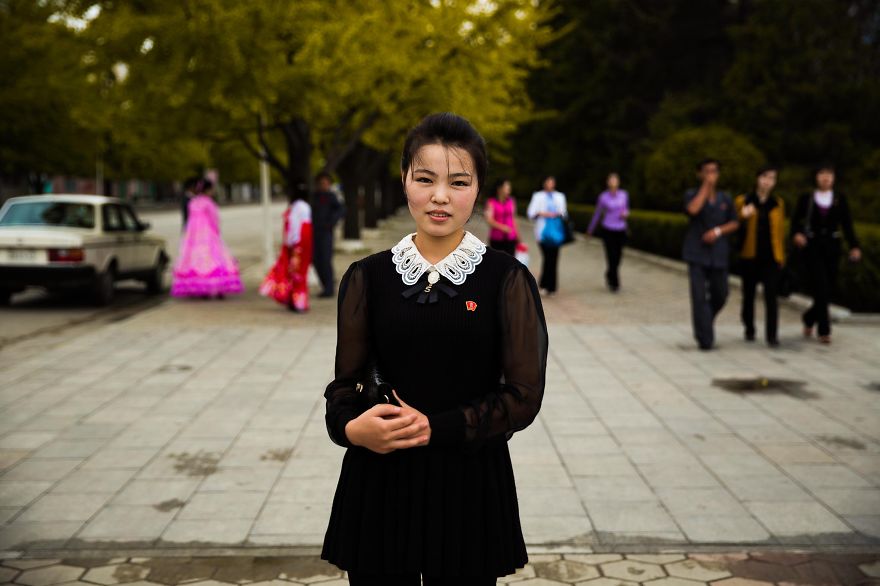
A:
(439, 511)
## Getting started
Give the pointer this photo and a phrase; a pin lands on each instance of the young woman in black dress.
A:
(427, 487)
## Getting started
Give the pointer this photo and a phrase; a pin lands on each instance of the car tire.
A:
(155, 282)
(105, 287)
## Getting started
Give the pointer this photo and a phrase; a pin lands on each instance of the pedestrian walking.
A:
(188, 194)
(762, 254)
(205, 267)
(706, 249)
(548, 209)
(426, 487)
(287, 281)
(612, 207)
(820, 218)
(500, 214)
(327, 210)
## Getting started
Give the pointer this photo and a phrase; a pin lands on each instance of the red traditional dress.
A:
(287, 281)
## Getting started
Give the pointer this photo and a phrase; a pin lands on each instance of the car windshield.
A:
(49, 213)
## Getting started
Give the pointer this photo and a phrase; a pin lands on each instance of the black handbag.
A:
(375, 390)
(568, 231)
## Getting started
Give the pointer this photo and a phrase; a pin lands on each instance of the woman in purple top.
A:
(501, 216)
(613, 207)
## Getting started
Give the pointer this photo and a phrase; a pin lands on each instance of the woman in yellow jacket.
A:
(763, 252)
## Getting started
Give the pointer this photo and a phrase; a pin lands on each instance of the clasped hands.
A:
(384, 428)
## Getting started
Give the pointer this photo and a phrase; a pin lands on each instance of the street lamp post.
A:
(265, 200)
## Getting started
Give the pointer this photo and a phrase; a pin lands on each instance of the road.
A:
(36, 312)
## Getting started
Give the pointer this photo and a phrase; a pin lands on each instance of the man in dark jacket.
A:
(706, 249)
(327, 210)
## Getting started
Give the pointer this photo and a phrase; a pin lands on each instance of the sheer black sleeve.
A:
(352, 351)
(515, 404)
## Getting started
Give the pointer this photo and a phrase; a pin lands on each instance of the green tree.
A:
(670, 169)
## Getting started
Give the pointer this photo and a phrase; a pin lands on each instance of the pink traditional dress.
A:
(205, 267)
(287, 281)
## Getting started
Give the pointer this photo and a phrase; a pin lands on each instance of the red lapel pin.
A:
(471, 305)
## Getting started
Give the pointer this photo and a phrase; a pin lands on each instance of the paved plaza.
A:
(196, 428)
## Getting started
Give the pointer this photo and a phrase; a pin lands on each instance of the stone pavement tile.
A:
(264, 457)
(673, 582)
(795, 454)
(586, 444)
(557, 529)
(129, 523)
(565, 570)
(26, 440)
(116, 574)
(613, 489)
(223, 505)
(46, 470)
(607, 582)
(601, 465)
(81, 430)
(534, 501)
(240, 479)
(577, 426)
(121, 458)
(649, 436)
(521, 574)
(303, 490)
(285, 518)
(670, 453)
(700, 502)
(7, 513)
(630, 517)
(723, 443)
(314, 539)
(19, 535)
(7, 575)
(307, 467)
(594, 559)
(738, 465)
(26, 564)
(150, 435)
(154, 492)
(539, 475)
(46, 576)
(657, 558)
(94, 481)
(633, 570)
(64, 507)
(851, 501)
(775, 487)
(9, 458)
(866, 524)
(673, 476)
(70, 448)
(20, 493)
(258, 438)
(796, 519)
(207, 531)
(717, 528)
(815, 476)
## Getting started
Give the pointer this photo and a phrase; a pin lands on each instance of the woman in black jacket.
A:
(820, 218)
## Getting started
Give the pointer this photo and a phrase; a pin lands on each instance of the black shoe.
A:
(750, 336)
(327, 294)
(773, 343)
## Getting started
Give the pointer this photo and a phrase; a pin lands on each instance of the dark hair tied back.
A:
(449, 130)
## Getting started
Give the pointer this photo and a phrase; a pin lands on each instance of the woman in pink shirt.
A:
(501, 216)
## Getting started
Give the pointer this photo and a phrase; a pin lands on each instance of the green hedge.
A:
(663, 232)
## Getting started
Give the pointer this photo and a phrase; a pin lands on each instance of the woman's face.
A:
(825, 180)
(504, 190)
(613, 182)
(441, 189)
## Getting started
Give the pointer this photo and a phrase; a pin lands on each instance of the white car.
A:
(70, 241)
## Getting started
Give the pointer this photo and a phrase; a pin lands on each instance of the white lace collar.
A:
(460, 263)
